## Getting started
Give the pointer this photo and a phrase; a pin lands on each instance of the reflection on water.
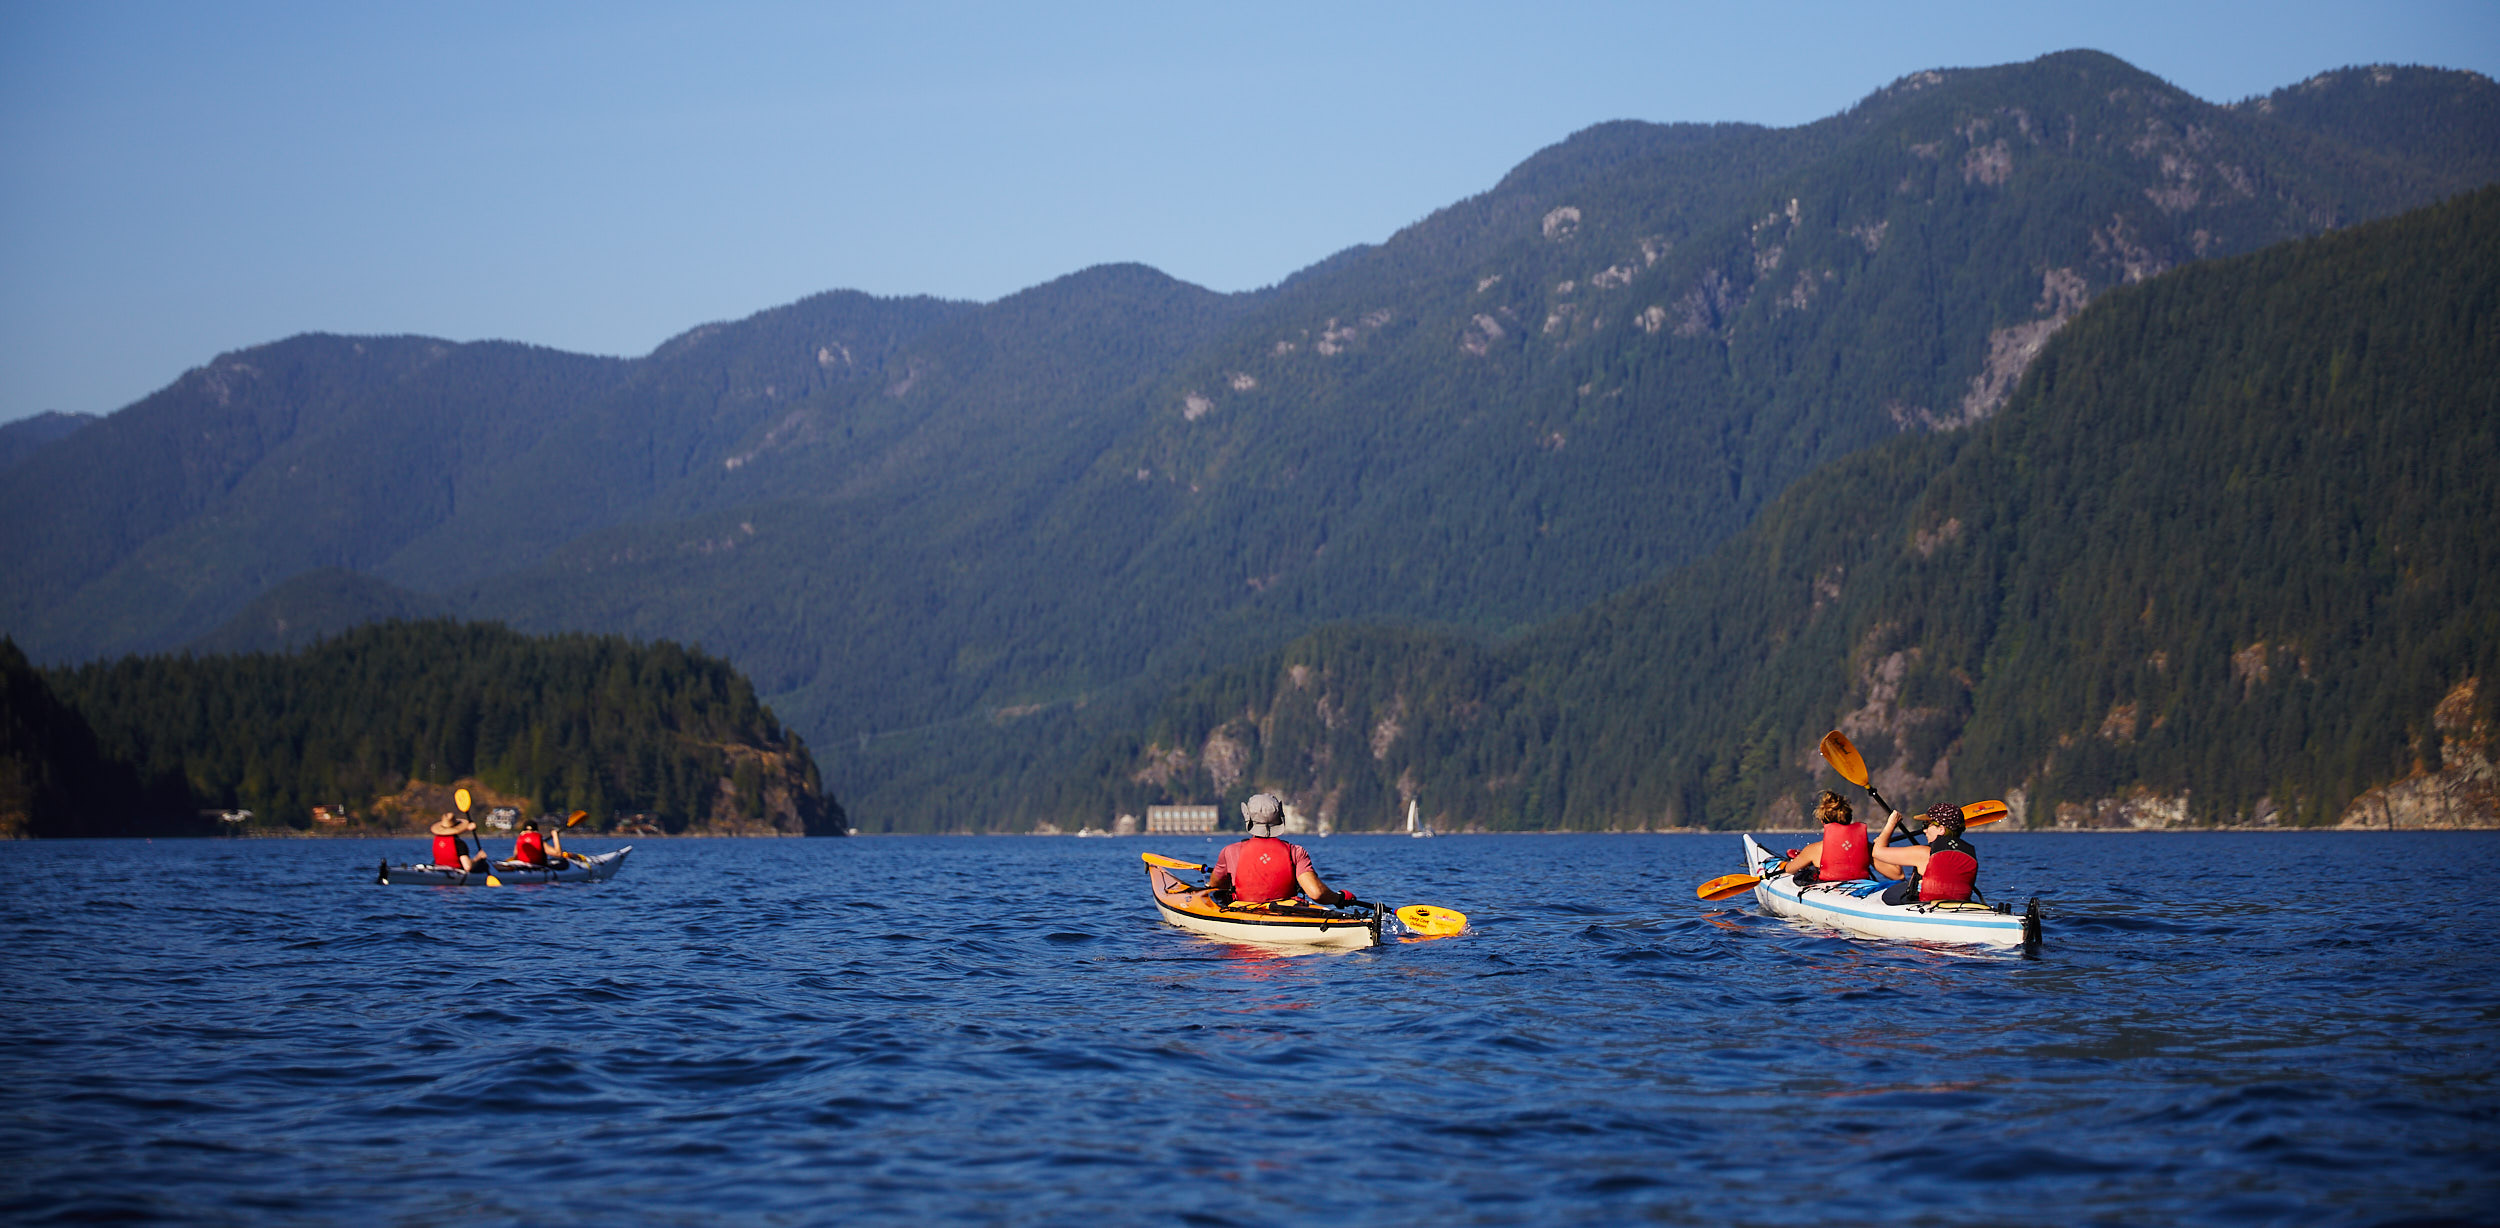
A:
(901, 1030)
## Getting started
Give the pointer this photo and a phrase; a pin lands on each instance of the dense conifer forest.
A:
(958, 544)
(648, 733)
(56, 781)
(2223, 555)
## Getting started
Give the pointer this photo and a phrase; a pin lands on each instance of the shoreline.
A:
(1681, 831)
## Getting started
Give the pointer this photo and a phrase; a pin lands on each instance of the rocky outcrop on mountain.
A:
(2460, 788)
(899, 515)
(2222, 560)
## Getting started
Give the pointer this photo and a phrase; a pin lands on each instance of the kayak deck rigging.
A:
(1286, 922)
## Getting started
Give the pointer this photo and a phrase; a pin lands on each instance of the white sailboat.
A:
(1414, 822)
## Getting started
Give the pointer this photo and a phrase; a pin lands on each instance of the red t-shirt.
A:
(1262, 868)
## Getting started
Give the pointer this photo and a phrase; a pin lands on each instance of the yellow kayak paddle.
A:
(460, 798)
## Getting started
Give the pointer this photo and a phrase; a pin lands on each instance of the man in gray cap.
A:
(1260, 867)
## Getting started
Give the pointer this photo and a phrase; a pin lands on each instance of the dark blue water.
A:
(2224, 1029)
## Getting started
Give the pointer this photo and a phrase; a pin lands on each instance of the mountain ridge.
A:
(2218, 563)
(910, 514)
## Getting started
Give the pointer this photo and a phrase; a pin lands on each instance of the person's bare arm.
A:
(1913, 856)
(1311, 886)
(1806, 856)
(1889, 860)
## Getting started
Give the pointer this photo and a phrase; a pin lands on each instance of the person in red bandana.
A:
(1260, 868)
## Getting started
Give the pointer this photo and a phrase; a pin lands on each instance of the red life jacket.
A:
(1845, 855)
(529, 846)
(447, 851)
(1263, 870)
(1950, 876)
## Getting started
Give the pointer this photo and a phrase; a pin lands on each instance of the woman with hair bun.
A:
(1842, 854)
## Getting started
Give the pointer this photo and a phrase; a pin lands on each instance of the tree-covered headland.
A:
(371, 730)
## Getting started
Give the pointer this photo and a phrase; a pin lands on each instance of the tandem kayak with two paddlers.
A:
(576, 868)
(1857, 906)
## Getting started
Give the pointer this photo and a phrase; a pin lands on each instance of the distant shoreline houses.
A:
(1181, 820)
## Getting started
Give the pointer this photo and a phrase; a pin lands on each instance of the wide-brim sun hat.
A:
(449, 826)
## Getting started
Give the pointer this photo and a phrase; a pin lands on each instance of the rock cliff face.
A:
(2461, 790)
(764, 793)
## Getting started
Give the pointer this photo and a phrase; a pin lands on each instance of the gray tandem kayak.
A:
(576, 869)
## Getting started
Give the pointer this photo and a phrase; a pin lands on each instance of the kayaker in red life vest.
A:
(1260, 868)
(529, 848)
(449, 850)
(1842, 854)
(1948, 867)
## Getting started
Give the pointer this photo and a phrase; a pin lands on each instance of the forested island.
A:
(369, 732)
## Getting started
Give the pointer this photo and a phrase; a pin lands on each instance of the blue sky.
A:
(177, 180)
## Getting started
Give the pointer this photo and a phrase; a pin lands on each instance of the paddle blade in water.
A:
(1424, 920)
(493, 881)
(1726, 886)
(1168, 863)
(1844, 758)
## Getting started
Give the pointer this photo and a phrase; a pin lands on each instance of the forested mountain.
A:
(2437, 119)
(377, 725)
(956, 542)
(314, 606)
(27, 436)
(2225, 557)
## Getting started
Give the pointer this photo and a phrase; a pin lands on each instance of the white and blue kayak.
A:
(574, 869)
(1857, 907)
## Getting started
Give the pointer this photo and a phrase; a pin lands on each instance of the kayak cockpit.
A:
(1285, 922)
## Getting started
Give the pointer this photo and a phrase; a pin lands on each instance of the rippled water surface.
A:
(2222, 1028)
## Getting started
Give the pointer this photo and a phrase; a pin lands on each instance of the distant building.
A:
(1180, 820)
(331, 816)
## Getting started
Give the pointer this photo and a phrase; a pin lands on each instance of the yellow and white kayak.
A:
(1284, 922)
